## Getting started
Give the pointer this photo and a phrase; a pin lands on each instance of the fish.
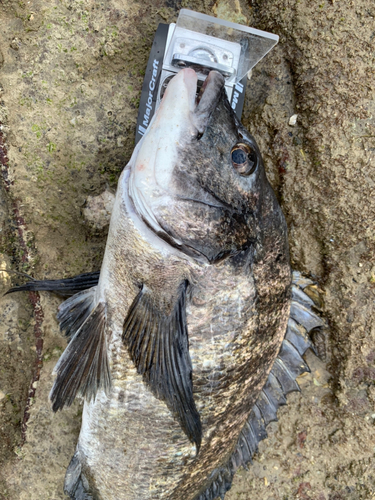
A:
(186, 343)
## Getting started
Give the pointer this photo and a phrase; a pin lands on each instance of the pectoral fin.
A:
(158, 345)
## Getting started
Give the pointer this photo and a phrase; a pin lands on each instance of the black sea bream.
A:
(173, 349)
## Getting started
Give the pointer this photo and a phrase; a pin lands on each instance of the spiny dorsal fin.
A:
(83, 368)
(158, 345)
(288, 365)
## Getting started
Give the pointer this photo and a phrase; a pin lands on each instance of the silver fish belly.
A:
(175, 345)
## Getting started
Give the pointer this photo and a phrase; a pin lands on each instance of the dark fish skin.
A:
(264, 262)
(189, 313)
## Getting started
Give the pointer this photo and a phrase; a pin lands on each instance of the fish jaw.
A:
(154, 160)
(171, 127)
(178, 102)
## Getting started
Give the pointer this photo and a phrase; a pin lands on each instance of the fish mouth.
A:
(200, 97)
(207, 97)
(200, 85)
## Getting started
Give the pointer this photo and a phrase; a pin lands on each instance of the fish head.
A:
(197, 179)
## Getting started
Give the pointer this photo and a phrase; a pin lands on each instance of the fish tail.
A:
(288, 365)
(74, 484)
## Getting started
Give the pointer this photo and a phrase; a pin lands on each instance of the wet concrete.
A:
(70, 80)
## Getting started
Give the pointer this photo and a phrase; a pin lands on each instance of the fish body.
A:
(185, 221)
(173, 348)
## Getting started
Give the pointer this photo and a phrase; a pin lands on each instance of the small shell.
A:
(293, 120)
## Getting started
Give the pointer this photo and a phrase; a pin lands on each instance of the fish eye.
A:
(244, 158)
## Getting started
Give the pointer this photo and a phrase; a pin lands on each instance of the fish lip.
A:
(207, 99)
(213, 78)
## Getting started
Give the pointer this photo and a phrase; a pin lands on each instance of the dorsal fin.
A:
(288, 366)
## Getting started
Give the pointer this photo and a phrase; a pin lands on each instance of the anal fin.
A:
(158, 345)
(83, 368)
(73, 484)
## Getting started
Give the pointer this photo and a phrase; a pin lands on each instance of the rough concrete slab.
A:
(70, 79)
